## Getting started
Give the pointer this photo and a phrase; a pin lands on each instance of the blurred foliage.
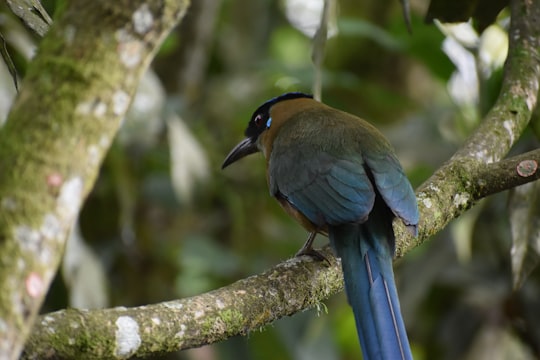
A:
(482, 12)
(157, 239)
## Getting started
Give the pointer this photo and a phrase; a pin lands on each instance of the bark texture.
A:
(61, 125)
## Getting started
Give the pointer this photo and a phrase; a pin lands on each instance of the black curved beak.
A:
(243, 149)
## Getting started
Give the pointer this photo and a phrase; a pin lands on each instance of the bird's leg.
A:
(307, 249)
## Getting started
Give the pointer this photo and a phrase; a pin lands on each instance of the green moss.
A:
(232, 318)
(207, 326)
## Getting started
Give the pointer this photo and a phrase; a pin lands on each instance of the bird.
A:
(338, 176)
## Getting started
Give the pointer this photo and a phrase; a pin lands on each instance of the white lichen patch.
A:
(100, 109)
(173, 305)
(126, 336)
(33, 240)
(427, 203)
(69, 199)
(182, 331)
(104, 141)
(142, 19)
(156, 320)
(51, 227)
(95, 107)
(461, 199)
(94, 153)
(219, 304)
(120, 102)
(131, 53)
(293, 262)
(509, 127)
(198, 314)
(531, 96)
(130, 49)
(46, 256)
(47, 320)
(28, 239)
(484, 155)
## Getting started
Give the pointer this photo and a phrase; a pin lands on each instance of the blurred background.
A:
(164, 222)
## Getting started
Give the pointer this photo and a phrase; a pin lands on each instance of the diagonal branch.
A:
(447, 193)
(512, 111)
(58, 130)
(239, 308)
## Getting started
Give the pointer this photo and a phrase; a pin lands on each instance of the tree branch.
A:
(449, 191)
(32, 13)
(506, 174)
(239, 308)
(59, 128)
(472, 173)
(512, 111)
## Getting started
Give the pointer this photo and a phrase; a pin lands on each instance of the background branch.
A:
(506, 174)
(32, 13)
(447, 193)
(58, 130)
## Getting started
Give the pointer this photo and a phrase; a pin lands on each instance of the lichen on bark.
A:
(52, 145)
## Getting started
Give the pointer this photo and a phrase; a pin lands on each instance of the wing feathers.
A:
(333, 197)
(394, 187)
(333, 181)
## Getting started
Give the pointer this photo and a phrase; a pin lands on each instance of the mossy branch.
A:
(242, 307)
(74, 95)
(453, 188)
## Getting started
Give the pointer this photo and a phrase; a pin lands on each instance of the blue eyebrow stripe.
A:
(268, 122)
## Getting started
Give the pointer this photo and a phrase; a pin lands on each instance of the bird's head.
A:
(261, 121)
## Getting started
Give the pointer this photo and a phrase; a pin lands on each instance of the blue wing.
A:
(327, 190)
(394, 187)
(333, 182)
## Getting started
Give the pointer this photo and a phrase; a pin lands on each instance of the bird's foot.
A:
(314, 254)
(308, 250)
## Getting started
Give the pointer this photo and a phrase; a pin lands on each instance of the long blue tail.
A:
(366, 252)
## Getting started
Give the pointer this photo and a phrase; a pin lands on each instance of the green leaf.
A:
(366, 29)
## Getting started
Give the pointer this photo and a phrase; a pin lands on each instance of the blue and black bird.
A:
(337, 175)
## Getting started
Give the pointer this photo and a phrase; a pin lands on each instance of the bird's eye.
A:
(258, 120)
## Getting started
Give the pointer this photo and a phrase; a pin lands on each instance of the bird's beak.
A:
(244, 148)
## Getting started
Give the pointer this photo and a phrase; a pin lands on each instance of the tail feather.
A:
(366, 258)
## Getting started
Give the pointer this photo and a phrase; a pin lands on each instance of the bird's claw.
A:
(314, 254)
